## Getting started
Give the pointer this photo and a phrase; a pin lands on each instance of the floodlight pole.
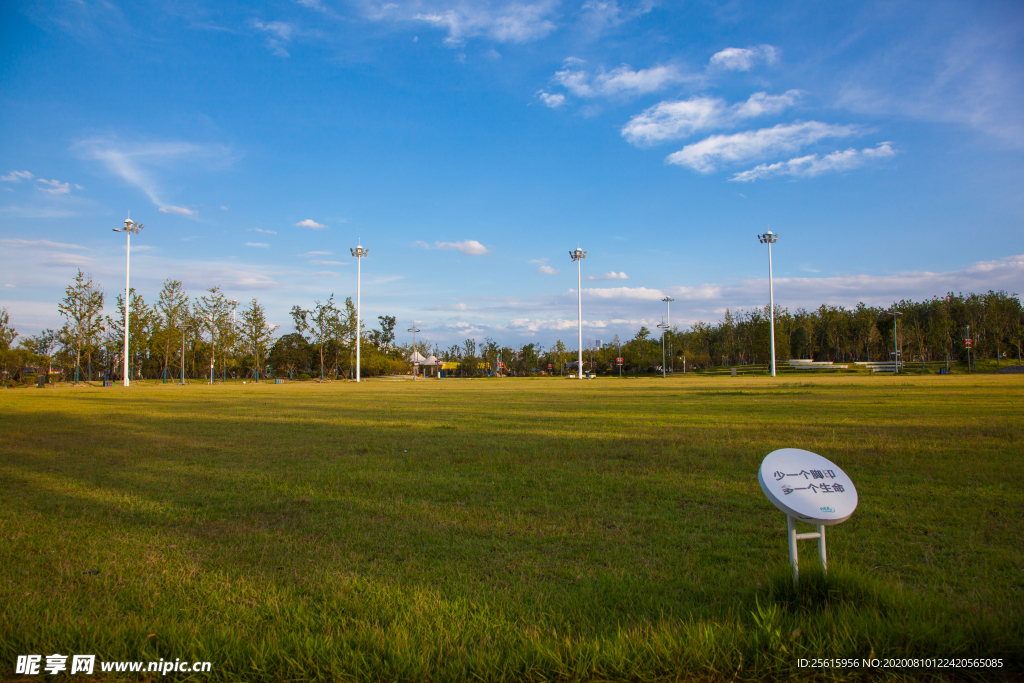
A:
(359, 253)
(770, 238)
(895, 343)
(577, 257)
(663, 327)
(415, 364)
(668, 311)
(129, 227)
(182, 355)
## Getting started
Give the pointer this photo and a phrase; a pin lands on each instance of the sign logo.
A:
(827, 509)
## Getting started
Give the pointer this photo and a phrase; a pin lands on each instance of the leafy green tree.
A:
(7, 331)
(82, 308)
(256, 333)
(172, 308)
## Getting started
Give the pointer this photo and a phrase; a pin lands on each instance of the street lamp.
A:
(577, 257)
(668, 311)
(663, 327)
(895, 343)
(415, 363)
(129, 227)
(359, 253)
(234, 340)
(770, 238)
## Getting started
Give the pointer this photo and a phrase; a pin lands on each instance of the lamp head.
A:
(359, 252)
(577, 255)
(768, 238)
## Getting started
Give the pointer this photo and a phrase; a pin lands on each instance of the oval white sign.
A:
(807, 486)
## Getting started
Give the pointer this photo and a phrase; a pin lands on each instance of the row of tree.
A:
(202, 337)
(208, 335)
(932, 330)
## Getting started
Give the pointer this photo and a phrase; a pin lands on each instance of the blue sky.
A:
(471, 146)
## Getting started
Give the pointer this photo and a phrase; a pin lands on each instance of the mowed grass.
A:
(509, 530)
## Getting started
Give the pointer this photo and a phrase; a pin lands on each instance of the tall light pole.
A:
(129, 227)
(415, 364)
(663, 327)
(895, 342)
(769, 238)
(359, 253)
(577, 257)
(668, 311)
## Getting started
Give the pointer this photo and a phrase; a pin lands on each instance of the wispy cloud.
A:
(315, 253)
(279, 34)
(554, 101)
(513, 22)
(420, 244)
(179, 210)
(310, 223)
(547, 270)
(468, 247)
(620, 82)
(138, 164)
(14, 243)
(600, 16)
(708, 154)
(612, 275)
(54, 186)
(263, 232)
(815, 165)
(257, 244)
(744, 58)
(672, 120)
(16, 176)
(318, 262)
(641, 293)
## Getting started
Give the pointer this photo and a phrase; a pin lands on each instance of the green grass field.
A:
(509, 530)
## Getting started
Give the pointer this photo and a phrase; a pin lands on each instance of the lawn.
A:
(510, 529)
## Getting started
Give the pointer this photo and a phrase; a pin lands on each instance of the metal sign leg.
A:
(791, 527)
(794, 537)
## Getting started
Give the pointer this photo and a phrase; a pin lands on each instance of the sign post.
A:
(808, 488)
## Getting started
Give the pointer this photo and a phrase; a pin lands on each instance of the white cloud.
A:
(257, 244)
(223, 208)
(54, 186)
(551, 100)
(642, 293)
(9, 286)
(744, 59)
(279, 34)
(547, 270)
(815, 165)
(16, 176)
(315, 253)
(622, 81)
(679, 119)
(44, 244)
(705, 156)
(468, 247)
(612, 275)
(420, 244)
(263, 232)
(318, 262)
(509, 23)
(310, 223)
(179, 210)
(601, 16)
(138, 163)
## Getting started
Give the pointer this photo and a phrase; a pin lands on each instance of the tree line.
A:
(209, 335)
